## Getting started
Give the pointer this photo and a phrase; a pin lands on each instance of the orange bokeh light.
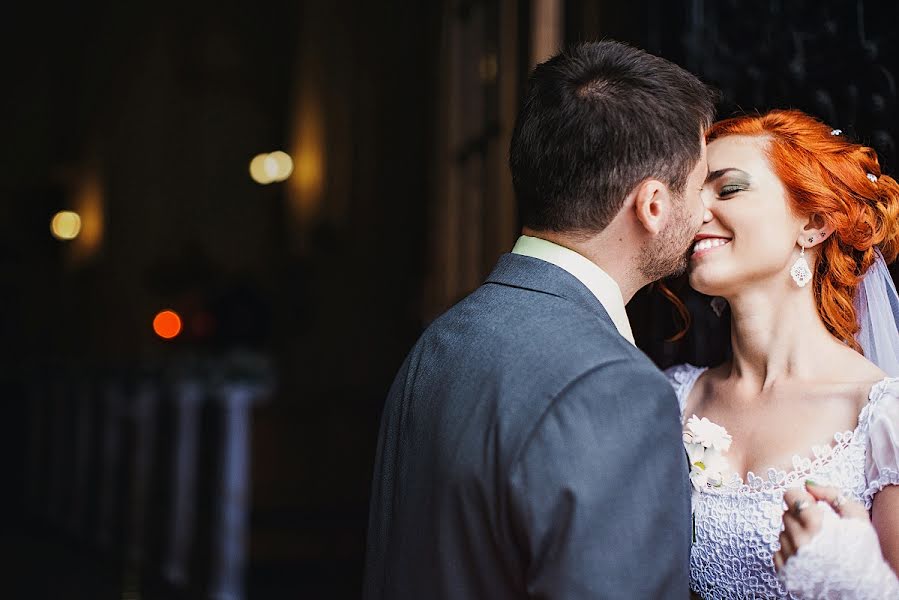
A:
(167, 324)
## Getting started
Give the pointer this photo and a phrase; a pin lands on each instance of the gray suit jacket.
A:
(528, 450)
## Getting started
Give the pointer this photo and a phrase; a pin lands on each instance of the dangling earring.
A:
(800, 271)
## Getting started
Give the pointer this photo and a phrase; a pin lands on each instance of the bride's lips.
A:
(705, 243)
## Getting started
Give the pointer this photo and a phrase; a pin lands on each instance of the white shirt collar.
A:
(587, 272)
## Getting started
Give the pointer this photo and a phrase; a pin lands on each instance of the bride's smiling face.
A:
(752, 236)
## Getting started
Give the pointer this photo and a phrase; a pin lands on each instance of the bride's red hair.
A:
(828, 175)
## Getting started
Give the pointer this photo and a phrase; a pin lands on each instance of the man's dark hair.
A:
(597, 120)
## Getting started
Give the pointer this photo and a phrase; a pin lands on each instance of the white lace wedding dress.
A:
(739, 523)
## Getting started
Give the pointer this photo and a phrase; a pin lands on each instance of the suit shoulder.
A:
(607, 400)
(620, 378)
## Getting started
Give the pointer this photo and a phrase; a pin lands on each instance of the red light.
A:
(167, 324)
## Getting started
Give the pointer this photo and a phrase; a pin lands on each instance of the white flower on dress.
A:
(707, 434)
(705, 443)
(716, 467)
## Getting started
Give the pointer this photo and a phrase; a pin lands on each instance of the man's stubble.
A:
(668, 254)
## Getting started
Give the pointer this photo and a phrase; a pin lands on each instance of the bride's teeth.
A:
(709, 243)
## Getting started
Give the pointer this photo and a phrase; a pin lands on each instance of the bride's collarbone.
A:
(716, 392)
(771, 427)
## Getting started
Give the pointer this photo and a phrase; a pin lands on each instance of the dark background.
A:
(299, 299)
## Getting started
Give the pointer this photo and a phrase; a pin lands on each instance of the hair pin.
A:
(872, 177)
(836, 132)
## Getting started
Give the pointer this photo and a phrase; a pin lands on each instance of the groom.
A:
(527, 447)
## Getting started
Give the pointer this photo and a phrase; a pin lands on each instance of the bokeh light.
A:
(284, 164)
(167, 324)
(65, 225)
(258, 169)
(86, 197)
(270, 167)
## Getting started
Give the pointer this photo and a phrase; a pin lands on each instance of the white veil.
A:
(877, 306)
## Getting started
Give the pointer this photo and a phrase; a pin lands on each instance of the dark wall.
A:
(163, 105)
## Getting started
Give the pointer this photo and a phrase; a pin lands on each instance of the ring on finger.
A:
(839, 501)
(800, 505)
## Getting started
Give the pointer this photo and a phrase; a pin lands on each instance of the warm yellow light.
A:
(87, 200)
(66, 225)
(305, 192)
(309, 171)
(259, 169)
(269, 167)
(488, 68)
(283, 163)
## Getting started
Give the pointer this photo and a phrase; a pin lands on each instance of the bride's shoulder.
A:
(882, 409)
(882, 454)
(682, 377)
(681, 373)
(885, 394)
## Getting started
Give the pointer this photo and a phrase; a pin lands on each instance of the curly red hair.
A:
(828, 175)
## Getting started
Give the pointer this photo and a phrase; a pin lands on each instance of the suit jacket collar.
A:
(538, 275)
(600, 283)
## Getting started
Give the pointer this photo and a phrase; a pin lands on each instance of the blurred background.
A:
(225, 224)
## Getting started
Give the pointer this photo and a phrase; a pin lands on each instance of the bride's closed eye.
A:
(730, 190)
(728, 182)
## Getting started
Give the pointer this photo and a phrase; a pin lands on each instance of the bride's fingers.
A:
(802, 506)
(787, 549)
(799, 530)
(778, 561)
(841, 504)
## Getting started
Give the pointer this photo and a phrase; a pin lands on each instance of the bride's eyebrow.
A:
(721, 172)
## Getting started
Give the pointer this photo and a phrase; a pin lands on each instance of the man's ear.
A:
(652, 202)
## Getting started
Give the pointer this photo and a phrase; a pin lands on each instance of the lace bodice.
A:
(738, 524)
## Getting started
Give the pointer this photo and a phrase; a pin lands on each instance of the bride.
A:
(799, 226)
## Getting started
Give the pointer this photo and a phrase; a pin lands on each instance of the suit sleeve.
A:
(598, 496)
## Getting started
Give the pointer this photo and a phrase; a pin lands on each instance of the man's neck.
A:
(605, 250)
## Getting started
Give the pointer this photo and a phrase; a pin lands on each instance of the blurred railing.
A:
(150, 470)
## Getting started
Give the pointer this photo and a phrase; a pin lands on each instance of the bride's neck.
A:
(776, 336)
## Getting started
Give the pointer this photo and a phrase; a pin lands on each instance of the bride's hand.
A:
(802, 519)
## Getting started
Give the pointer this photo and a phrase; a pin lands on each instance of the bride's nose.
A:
(707, 207)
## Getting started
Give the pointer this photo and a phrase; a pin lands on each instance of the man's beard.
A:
(668, 254)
